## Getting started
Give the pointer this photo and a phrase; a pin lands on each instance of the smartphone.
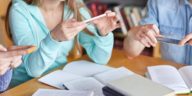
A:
(168, 40)
(17, 51)
(97, 17)
(94, 18)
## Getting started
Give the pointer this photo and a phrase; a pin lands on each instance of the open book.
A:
(84, 76)
(178, 80)
(53, 92)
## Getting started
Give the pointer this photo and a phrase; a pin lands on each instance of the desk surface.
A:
(118, 59)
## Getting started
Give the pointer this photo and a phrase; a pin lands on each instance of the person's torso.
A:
(175, 18)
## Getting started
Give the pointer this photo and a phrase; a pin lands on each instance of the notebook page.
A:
(168, 76)
(52, 92)
(85, 68)
(114, 74)
(186, 73)
(86, 84)
(57, 78)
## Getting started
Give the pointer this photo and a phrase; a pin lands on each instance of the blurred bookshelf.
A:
(129, 12)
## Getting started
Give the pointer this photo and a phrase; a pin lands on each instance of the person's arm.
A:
(22, 31)
(99, 47)
(132, 47)
(135, 43)
(48, 48)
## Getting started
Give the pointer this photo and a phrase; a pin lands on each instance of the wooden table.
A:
(138, 65)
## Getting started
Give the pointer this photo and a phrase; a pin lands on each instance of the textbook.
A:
(178, 80)
(54, 92)
(83, 76)
(136, 85)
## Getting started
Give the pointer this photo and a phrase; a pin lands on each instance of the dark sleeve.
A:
(5, 80)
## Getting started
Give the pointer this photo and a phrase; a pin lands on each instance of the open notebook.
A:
(84, 76)
(178, 80)
(53, 92)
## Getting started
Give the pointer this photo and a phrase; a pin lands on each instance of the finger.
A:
(111, 14)
(154, 28)
(143, 41)
(19, 47)
(17, 62)
(75, 31)
(139, 35)
(115, 19)
(190, 42)
(2, 72)
(13, 53)
(108, 11)
(185, 40)
(74, 24)
(81, 27)
(68, 22)
(5, 61)
(28, 49)
(2, 48)
(161, 36)
(149, 41)
(150, 34)
(4, 66)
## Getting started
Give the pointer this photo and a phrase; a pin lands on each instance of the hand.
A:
(187, 39)
(10, 59)
(146, 34)
(107, 24)
(67, 30)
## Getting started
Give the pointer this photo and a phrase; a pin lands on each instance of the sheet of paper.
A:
(114, 74)
(86, 84)
(168, 76)
(186, 73)
(85, 68)
(52, 92)
(57, 78)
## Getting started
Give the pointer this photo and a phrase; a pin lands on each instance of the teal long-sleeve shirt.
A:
(28, 28)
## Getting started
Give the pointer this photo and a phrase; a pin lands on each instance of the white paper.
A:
(113, 75)
(85, 68)
(52, 92)
(86, 84)
(186, 73)
(168, 76)
(57, 78)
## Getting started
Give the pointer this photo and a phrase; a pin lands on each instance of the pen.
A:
(65, 87)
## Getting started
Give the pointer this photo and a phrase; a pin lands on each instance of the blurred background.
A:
(129, 12)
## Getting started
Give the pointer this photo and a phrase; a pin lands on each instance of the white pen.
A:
(97, 17)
